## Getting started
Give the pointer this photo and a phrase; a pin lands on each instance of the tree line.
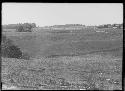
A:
(21, 27)
(118, 26)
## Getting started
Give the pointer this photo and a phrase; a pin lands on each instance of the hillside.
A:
(65, 42)
(89, 59)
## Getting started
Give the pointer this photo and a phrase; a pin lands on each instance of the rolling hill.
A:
(67, 42)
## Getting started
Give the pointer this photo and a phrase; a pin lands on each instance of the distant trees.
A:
(20, 28)
(118, 26)
(26, 27)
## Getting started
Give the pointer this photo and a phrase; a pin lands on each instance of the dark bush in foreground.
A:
(9, 50)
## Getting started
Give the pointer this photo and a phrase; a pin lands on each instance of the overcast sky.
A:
(47, 14)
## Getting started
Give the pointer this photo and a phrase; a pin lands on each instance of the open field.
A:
(66, 60)
(47, 43)
(80, 72)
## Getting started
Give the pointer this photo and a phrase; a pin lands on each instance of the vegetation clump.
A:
(9, 50)
(25, 27)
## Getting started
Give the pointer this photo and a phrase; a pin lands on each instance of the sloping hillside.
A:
(46, 43)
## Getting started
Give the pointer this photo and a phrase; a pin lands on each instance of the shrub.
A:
(8, 49)
(11, 52)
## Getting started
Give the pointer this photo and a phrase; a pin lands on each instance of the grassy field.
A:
(66, 60)
(81, 72)
(47, 43)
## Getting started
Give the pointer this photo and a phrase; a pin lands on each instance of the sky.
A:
(48, 14)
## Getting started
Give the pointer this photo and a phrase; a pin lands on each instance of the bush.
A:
(11, 52)
(8, 49)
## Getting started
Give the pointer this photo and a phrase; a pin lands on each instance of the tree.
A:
(33, 25)
(20, 28)
(26, 27)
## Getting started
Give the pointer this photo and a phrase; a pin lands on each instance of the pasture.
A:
(83, 59)
(47, 43)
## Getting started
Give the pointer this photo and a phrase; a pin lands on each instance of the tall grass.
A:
(68, 72)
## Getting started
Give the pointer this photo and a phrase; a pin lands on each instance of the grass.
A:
(65, 60)
(46, 43)
(64, 72)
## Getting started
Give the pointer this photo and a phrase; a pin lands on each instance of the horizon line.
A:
(65, 24)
